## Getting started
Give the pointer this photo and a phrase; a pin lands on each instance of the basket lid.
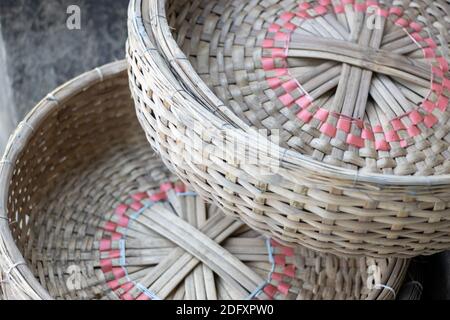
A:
(358, 84)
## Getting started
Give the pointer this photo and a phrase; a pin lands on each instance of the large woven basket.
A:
(353, 96)
(88, 213)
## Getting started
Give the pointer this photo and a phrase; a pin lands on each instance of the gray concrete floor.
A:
(7, 110)
(38, 53)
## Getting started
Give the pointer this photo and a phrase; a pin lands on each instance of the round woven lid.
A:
(358, 84)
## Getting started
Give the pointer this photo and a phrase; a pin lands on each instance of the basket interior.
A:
(81, 160)
(92, 126)
(371, 96)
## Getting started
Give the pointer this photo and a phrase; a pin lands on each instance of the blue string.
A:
(122, 253)
(187, 194)
(136, 215)
(142, 288)
(258, 290)
(147, 292)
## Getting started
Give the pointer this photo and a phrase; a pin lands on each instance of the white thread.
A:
(431, 66)
(5, 161)
(148, 50)
(122, 253)
(147, 292)
(100, 73)
(187, 194)
(283, 156)
(287, 43)
(51, 97)
(383, 286)
(177, 91)
(416, 283)
(8, 272)
(7, 219)
(355, 181)
(26, 124)
(2, 280)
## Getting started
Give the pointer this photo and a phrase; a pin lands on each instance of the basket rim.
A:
(290, 157)
(19, 139)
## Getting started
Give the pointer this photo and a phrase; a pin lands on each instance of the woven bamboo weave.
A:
(88, 213)
(357, 90)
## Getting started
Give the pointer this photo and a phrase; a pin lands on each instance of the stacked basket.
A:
(87, 212)
(341, 105)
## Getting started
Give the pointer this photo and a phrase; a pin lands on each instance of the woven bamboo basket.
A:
(88, 213)
(342, 107)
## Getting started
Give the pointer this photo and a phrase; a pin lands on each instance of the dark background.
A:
(38, 52)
